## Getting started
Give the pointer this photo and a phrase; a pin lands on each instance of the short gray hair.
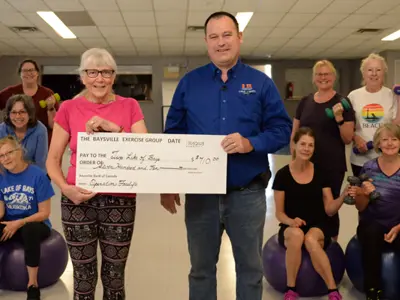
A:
(97, 57)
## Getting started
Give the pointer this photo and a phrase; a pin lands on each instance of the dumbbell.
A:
(396, 90)
(370, 145)
(43, 103)
(374, 195)
(329, 111)
(353, 181)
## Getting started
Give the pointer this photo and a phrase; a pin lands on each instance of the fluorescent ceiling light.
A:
(393, 36)
(243, 19)
(51, 18)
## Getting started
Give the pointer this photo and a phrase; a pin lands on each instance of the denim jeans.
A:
(242, 215)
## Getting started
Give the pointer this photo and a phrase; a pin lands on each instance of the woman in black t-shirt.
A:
(331, 134)
(303, 200)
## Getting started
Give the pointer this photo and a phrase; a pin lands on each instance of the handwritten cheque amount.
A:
(151, 163)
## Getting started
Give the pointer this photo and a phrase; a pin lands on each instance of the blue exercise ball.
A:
(53, 262)
(390, 269)
(309, 283)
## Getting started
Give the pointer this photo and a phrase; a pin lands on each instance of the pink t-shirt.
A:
(73, 115)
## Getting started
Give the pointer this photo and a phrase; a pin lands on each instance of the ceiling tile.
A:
(152, 52)
(256, 32)
(394, 11)
(197, 18)
(173, 52)
(45, 44)
(30, 35)
(29, 6)
(299, 42)
(107, 18)
(344, 6)
(274, 42)
(55, 53)
(86, 31)
(356, 21)
(135, 5)
(326, 20)
(63, 5)
(283, 32)
(377, 7)
(322, 42)
(338, 33)
(143, 18)
(296, 20)
(385, 21)
(273, 6)
(265, 19)
(100, 5)
(141, 43)
(171, 42)
(122, 52)
(115, 41)
(14, 19)
(166, 18)
(69, 43)
(194, 43)
(238, 5)
(251, 42)
(5, 6)
(143, 32)
(170, 32)
(310, 6)
(17, 43)
(175, 5)
(5, 32)
(206, 5)
(313, 32)
(94, 43)
(32, 52)
(114, 31)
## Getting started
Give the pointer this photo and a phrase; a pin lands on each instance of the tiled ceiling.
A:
(280, 28)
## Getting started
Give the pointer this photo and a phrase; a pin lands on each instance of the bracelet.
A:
(121, 129)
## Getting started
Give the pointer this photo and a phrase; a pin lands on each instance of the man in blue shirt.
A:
(227, 97)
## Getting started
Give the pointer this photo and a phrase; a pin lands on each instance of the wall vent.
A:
(368, 31)
(25, 29)
(195, 28)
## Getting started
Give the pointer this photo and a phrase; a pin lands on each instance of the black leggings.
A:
(30, 235)
(371, 237)
(108, 220)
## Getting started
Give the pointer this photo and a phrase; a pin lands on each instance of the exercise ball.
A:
(390, 269)
(309, 283)
(53, 261)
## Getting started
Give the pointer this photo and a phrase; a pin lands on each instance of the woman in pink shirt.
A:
(89, 218)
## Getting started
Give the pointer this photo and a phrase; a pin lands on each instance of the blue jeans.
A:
(242, 215)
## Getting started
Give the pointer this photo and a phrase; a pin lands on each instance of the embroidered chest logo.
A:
(247, 89)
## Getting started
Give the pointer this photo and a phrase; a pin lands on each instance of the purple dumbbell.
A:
(370, 145)
(396, 90)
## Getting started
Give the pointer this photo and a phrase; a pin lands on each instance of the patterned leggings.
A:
(109, 220)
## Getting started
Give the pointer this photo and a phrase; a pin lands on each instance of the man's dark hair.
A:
(220, 14)
(28, 105)
(34, 63)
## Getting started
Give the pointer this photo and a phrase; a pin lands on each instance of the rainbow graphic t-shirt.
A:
(372, 110)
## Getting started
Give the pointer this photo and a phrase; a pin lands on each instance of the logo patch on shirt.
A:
(372, 114)
(247, 89)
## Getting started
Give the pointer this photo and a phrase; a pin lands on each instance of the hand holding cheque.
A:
(155, 163)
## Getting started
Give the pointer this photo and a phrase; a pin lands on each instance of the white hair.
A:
(97, 57)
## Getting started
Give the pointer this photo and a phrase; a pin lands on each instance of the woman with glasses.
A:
(29, 72)
(332, 132)
(88, 218)
(25, 194)
(374, 105)
(20, 122)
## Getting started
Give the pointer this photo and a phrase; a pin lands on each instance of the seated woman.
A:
(303, 202)
(20, 121)
(25, 193)
(379, 221)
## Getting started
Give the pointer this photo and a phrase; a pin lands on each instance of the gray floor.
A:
(158, 261)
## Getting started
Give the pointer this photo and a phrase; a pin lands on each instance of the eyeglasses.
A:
(7, 154)
(322, 74)
(28, 70)
(18, 113)
(93, 73)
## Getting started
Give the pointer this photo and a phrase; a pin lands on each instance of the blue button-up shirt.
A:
(247, 103)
